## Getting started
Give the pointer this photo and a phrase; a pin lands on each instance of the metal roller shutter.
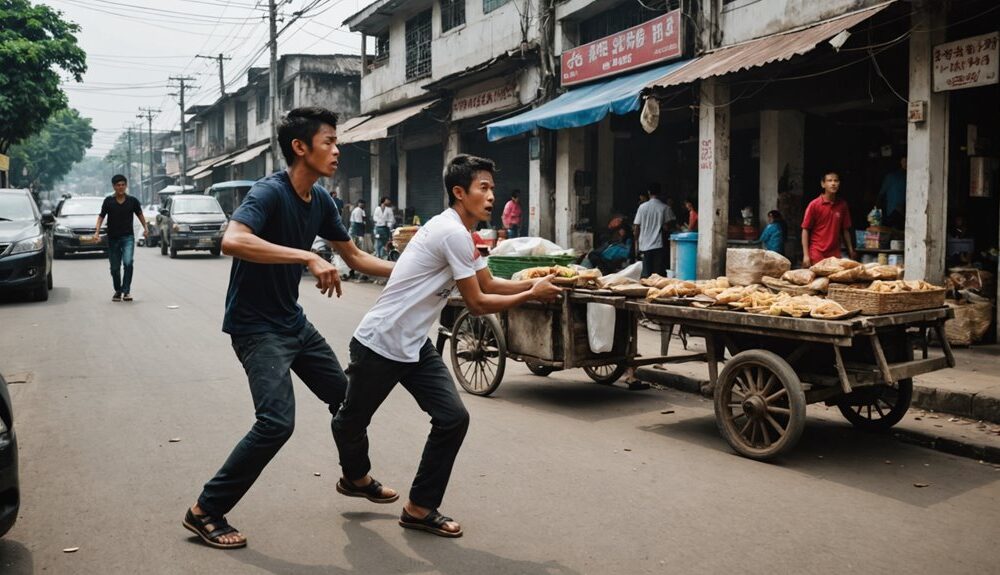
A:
(424, 187)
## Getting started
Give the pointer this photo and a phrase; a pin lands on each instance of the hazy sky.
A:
(134, 46)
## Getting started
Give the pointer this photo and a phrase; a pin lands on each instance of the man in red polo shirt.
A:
(825, 222)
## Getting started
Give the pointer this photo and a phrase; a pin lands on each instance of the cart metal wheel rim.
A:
(605, 374)
(478, 353)
(760, 406)
(877, 408)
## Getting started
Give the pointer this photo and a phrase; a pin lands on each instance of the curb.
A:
(980, 406)
(926, 398)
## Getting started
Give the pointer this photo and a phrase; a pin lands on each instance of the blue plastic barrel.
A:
(686, 266)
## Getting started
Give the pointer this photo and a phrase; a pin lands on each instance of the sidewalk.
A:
(968, 393)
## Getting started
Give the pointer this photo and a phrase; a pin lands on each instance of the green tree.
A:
(35, 42)
(43, 159)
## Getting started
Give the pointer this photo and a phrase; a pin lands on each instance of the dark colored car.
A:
(10, 493)
(25, 245)
(230, 194)
(190, 222)
(152, 228)
(74, 229)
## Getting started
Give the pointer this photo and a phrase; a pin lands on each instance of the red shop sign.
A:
(657, 40)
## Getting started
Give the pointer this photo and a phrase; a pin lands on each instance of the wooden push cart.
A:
(778, 365)
(546, 337)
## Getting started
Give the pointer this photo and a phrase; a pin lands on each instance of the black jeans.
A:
(371, 378)
(654, 262)
(267, 359)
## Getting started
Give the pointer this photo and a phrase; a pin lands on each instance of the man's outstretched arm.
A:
(362, 261)
(239, 241)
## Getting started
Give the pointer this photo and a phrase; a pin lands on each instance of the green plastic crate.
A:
(506, 266)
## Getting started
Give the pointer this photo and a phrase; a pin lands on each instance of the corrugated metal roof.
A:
(775, 48)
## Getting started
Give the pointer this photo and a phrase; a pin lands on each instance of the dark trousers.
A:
(268, 359)
(654, 262)
(121, 253)
(371, 378)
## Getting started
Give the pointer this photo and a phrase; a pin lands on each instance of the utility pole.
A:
(139, 132)
(222, 77)
(128, 166)
(272, 16)
(148, 114)
(184, 156)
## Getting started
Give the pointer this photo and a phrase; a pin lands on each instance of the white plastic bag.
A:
(600, 327)
(528, 247)
(631, 274)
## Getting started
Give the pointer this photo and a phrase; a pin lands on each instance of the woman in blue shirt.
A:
(774, 235)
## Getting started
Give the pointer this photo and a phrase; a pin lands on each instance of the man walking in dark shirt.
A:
(119, 208)
(269, 237)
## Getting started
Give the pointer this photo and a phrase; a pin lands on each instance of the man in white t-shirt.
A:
(391, 345)
(652, 221)
(358, 224)
(384, 219)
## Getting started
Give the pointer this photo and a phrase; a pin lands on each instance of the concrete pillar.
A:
(782, 133)
(381, 170)
(401, 177)
(604, 192)
(541, 189)
(569, 159)
(927, 152)
(713, 178)
(452, 148)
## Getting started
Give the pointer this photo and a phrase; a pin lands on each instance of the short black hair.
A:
(383, 200)
(461, 170)
(776, 215)
(515, 194)
(302, 124)
(361, 202)
(118, 178)
(829, 171)
(653, 188)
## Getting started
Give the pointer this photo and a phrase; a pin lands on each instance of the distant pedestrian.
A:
(692, 225)
(512, 215)
(269, 237)
(358, 216)
(775, 233)
(649, 229)
(827, 220)
(119, 208)
(385, 219)
(337, 202)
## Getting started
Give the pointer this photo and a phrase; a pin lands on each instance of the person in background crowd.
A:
(827, 220)
(775, 233)
(119, 209)
(339, 203)
(643, 197)
(610, 256)
(649, 229)
(385, 219)
(358, 224)
(511, 217)
(892, 196)
(692, 224)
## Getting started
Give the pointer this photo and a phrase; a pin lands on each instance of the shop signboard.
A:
(966, 63)
(656, 40)
(481, 99)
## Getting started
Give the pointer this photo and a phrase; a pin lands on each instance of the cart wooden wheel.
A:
(879, 407)
(538, 369)
(478, 353)
(606, 374)
(760, 407)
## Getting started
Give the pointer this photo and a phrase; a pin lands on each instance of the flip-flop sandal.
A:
(433, 523)
(372, 492)
(210, 529)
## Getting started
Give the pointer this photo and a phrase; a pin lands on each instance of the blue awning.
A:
(583, 106)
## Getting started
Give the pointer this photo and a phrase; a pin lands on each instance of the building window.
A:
(452, 14)
(622, 17)
(491, 5)
(288, 97)
(382, 47)
(418, 46)
(263, 107)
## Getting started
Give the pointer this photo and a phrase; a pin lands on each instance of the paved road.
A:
(557, 476)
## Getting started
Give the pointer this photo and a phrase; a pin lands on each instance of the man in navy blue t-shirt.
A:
(269, 237)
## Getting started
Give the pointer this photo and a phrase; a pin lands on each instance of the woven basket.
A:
(878, 303)
(506, 266)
